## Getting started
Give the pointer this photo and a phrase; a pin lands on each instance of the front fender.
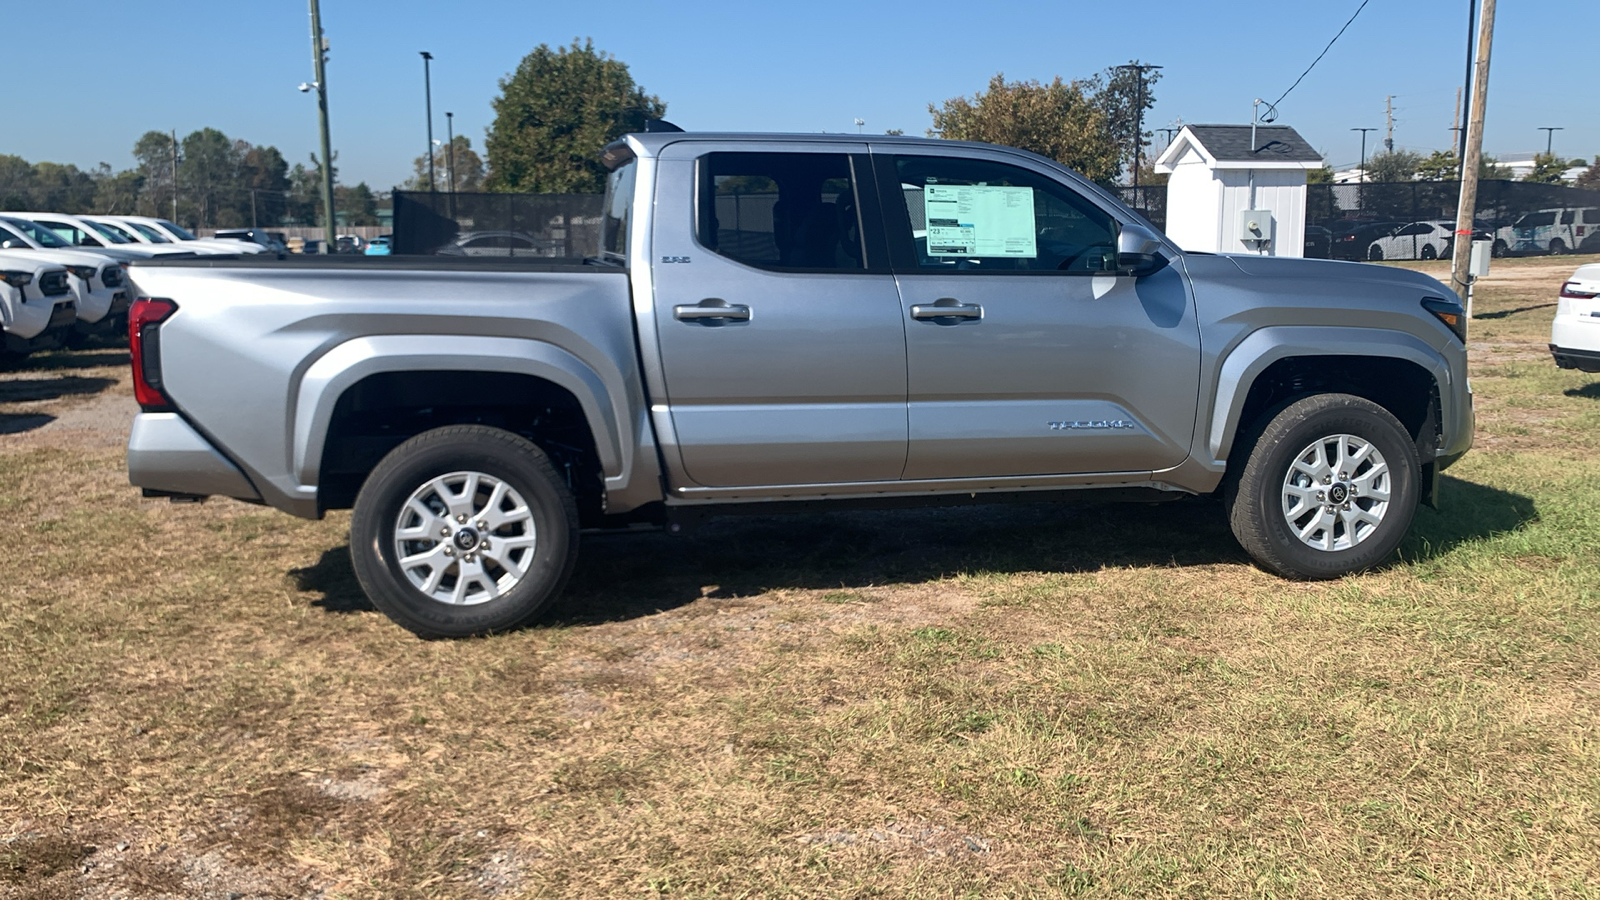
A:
(348, 363)
(1251, 356)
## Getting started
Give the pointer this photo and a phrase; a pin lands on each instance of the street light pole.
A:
(427, 93)
(319, 57)
(1363, 152)
(450, 157)
(1549, 137)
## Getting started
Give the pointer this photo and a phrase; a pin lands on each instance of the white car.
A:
(182, 235)
(26, 234)
(86, 235)
(1419, 240)
(137, 229)
(1575, 334)
(99, 282)
(37, 311)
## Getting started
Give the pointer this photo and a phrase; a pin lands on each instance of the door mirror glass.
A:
(1137, 251)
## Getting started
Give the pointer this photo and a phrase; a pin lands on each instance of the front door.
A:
(779, 328)
(1026, 354)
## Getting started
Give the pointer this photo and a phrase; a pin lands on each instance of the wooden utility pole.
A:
(319, 59)
(1388, 132)
(1465, 210)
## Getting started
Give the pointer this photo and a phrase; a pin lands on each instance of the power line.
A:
(1274, 104)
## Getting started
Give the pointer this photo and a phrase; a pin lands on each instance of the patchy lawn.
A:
(994, 701)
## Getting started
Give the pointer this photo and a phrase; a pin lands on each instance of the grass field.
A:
(1013, 701)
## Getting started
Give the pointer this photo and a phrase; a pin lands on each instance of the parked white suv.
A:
(1575, 334)
(37, 309)
(99, 283)
(1552, 231)
(139, 230)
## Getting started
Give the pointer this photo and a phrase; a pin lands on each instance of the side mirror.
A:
(1138, 251)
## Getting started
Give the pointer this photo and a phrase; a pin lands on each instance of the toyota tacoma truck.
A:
(780, 322)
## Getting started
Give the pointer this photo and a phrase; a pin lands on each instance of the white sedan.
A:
(1419, 240)
(1575, 333)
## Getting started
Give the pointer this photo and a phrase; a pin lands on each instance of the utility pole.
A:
(1462, 257)
(1455, 121)
(1138, 121)
(1388, 113)
(1549, 137)
(450, 157)
(319, 59)
(174, 175)
(427, 93)
(1169, 132)
(1461, 151)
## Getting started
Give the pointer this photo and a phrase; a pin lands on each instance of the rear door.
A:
(1026, 354)
(778, 327)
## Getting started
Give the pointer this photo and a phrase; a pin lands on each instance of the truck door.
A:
(781, 342)
(1026, 355)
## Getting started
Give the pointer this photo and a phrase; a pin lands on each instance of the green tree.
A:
(1393, 165)
(468, 168)
(1590, 177)
(1320, 175)
(154, 151)
(208, 177)
(265, 176)
(62, 188)
(555, 112)
(1547, 169)
(1058, 120)
(356, 205)
(1120, 96)
(16, 182)
(117, 193)
(1441, 165)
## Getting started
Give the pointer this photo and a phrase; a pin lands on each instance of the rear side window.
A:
(978, 216)
(1568, 217)
(780, 210)
(618, 214)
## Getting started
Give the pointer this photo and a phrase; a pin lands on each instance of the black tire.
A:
(1500, 250)
(1375, 253)
(1255, 492)
(1557, 247)
(503, 457)
(1428, 252)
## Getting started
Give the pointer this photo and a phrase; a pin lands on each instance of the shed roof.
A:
(1229, 147)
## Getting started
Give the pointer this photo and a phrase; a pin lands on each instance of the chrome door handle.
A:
(946, 308)
(712, 311)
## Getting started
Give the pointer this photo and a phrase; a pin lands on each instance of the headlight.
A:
(84, 272)
(112, 276)
(17, 279)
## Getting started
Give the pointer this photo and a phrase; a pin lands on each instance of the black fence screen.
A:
(481, 224)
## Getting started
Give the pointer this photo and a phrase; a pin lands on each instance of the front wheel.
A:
(1557, 247)
(1329, 488)
(463, 530)
(1375, 253)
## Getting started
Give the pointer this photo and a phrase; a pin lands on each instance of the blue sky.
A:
(99, 74)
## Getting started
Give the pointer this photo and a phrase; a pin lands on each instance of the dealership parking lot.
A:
(990, 701)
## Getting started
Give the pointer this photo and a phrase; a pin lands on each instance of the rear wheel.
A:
(1428, 252)
(1375, 252)
(1499, 250)
(463, 530)
(1330, 487)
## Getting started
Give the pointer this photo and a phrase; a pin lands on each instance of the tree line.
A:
(203, 180)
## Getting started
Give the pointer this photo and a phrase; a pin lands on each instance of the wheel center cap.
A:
(466, 539)
(1339, 493)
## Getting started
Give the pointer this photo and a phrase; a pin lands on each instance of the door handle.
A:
(946, 311)
(712, 311)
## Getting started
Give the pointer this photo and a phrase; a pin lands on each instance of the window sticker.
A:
(979, 220)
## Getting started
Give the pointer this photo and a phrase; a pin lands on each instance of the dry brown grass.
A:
(1010, 701)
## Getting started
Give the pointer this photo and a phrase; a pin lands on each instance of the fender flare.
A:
(346, 364)
(1253, 355)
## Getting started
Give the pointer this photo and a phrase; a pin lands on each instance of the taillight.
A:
(144, 339)
(1571, 291)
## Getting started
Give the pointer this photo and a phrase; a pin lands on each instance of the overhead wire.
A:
(1274, 104)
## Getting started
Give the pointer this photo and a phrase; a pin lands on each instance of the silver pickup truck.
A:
(779, 321)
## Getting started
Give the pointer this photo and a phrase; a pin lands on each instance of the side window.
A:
(1568, 217)
(980, 216)
(780, 210)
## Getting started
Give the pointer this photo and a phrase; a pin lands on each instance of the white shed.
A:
(1227, 195)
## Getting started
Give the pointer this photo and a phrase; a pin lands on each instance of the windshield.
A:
(12, 241)
(42, 236)
(113, 235)
(155, 236)
(177, 231)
